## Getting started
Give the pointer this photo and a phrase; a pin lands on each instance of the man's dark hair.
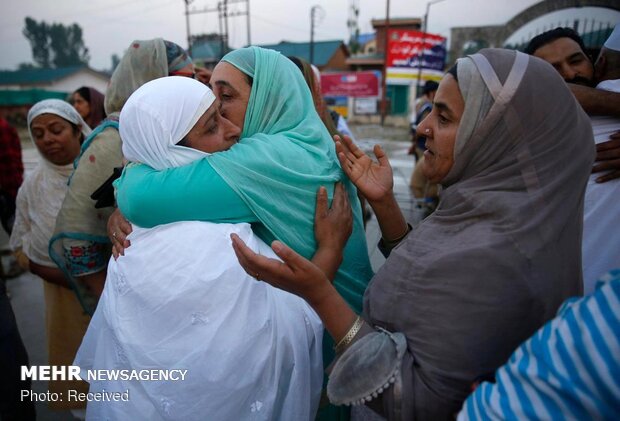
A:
(550, 36)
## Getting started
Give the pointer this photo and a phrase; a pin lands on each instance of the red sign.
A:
(352, 84)
(404, 49)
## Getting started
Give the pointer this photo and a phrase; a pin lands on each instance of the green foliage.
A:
(56, 45)
(26, 66)
(37, 34)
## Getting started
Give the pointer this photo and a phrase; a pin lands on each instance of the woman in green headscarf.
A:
(270, 178)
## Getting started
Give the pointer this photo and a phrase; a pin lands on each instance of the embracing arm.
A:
(194, 192)
(597, 101)
(332, 228)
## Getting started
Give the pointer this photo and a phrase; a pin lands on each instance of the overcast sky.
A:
(110, 25)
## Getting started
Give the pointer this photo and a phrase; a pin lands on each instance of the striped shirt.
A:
(569, 369)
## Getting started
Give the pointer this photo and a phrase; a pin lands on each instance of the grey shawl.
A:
(498, 256)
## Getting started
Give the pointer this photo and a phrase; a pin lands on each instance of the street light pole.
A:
(189, 36)
(424, 29)
(312, 11)
(385, 58)
(316, 13)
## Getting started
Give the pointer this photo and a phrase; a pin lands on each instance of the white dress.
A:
(179, 299)
(601, 231)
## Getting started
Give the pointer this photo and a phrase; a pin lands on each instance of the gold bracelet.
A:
(348, 338)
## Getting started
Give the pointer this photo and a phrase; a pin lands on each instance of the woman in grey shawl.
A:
(512, 150)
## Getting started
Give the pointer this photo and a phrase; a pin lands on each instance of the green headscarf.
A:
(284, 156)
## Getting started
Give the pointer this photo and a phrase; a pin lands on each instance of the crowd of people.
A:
(215, 223)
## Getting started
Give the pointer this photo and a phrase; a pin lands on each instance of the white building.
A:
(65, 79)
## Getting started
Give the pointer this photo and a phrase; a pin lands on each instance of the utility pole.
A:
(385, 54)
(423, 47)
(225, 6)
(247, 11)
(220, 16)
(189, 36)
(353, 25)
(223, 15)
(316, 13)
(312, 12)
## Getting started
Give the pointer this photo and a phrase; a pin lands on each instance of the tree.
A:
(37, 34)
(65, 43)
(26, 66)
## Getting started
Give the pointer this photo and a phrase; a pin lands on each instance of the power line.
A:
(223, 15)
(294, 28)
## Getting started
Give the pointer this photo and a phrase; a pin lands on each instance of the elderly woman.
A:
(512, 150)
(80, 246)
(57, 131)
(179, 298)
(269, 179)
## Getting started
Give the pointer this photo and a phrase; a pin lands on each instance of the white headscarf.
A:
(60, 108)
(40, 197)
(158, 115)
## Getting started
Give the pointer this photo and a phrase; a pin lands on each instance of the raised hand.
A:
(373, 179)
(293, 274)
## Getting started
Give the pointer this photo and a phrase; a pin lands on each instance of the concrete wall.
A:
(79, 79)
(495, 36)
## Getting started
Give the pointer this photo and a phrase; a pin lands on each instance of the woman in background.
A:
(57, 131)
(89, 104)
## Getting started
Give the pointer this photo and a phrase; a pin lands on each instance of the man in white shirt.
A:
(564, 50)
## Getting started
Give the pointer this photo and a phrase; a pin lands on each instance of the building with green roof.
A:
(328, 55)
(64, 79)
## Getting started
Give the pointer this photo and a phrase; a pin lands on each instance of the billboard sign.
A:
(408, 51)
(351, 84)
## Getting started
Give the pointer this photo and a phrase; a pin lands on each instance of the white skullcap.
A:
(158, 115)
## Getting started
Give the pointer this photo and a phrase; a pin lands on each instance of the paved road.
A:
(27, 293)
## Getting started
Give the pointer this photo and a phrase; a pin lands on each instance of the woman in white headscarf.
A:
(57, 131)
(178, 298)
(80, 246)
(512, 150)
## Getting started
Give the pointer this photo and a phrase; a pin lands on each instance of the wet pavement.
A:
(26, 291)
